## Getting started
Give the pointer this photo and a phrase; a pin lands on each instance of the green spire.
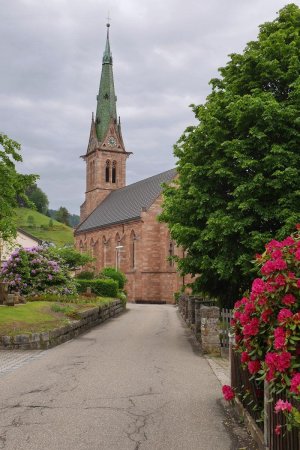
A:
(106, 99)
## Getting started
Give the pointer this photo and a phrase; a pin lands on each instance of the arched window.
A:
(104, 246)
(114, 172)
(81, 246)
(107, 171)
(91, 249)
(171, 253)
(91, 174)
(132, 249)
(118, 248)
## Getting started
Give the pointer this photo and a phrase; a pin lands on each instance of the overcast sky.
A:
(164, 53)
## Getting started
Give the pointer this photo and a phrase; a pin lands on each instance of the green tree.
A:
(71, 257)
(13, 185)
(238, 183)
(30, 221)
(38, 198)
(62, 215)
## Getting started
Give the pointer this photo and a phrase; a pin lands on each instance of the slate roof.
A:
(126, 204)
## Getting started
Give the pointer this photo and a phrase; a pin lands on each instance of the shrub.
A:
(85, 275)
(115, 274)
(107, 288)
(34, 270)
(267, 322)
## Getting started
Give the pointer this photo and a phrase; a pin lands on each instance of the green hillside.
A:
(40, 226)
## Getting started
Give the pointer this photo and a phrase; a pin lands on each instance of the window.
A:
(114, 172)
(107, 171)
(132, 250)
(118, 248)
(171, 253)
(81, 246)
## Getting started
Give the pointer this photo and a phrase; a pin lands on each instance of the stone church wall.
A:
(151, 277)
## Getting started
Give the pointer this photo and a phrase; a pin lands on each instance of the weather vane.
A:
(108, 20)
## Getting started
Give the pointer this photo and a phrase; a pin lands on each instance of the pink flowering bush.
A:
(35, 270)
(266, 324)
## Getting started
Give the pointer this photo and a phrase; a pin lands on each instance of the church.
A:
(118, 223)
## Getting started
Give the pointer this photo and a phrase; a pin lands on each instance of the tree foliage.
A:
(62, 215)
(238, 183)
(13, 185)
(38, 198)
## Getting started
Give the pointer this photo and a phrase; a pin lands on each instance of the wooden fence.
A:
(256, 400)
(225, 318)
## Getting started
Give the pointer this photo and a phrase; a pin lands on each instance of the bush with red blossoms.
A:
(228, 393)
(266, 323)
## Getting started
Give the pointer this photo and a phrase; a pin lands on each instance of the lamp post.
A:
(118, 255)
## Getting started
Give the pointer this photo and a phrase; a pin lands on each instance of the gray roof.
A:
(126, 204)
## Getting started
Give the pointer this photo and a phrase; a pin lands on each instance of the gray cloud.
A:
(164, 54)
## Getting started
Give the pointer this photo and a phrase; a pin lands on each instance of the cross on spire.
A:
(108, 20)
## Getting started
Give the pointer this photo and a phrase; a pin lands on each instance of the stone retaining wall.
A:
(203, 321)
(88, 319)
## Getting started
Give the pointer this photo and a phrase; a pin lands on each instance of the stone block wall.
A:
(204, 322)
(88, 319)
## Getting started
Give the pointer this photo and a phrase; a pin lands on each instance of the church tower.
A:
(106, 155)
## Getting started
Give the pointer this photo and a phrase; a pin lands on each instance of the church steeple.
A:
(106, 98)
(106, 155)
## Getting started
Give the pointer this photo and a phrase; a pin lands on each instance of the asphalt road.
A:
(135, 382)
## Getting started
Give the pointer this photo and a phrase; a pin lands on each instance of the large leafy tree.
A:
(238, 183)
(13, 185)
(38, 198)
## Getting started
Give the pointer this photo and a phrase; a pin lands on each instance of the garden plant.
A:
(266, 325)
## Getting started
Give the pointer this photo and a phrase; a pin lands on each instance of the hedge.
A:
(114, 274)
(105, 288)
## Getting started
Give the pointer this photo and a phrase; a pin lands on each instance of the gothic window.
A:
(132, 250)
(107, 171)
(91, 249)
(93, 173)
(81, 246)
(104, 245)
(114, 171)
(171, 253)
(118, 248)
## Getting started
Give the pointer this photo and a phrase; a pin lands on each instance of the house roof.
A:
(126, 204)
(34, 238)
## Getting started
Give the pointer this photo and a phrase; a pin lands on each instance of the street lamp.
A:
(118, 255)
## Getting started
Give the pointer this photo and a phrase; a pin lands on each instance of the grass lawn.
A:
(59, 233)
(38, 316)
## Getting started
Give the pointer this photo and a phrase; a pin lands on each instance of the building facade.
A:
(118, 223)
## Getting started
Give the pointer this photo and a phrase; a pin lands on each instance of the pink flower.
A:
(297, 254)
(280, 336)
(267, 268)
(280, 280)
(283, 361)
(295, 384)
(254, 366)
(298, 283)
(276, 254)
(272, 245)
(252, 328)
(280, 264)
(245, 357)
(283, 406)
(258, 286)
(266, 314)
(277, 430)
(288, 299)
(288, 241)
(228, 393)
(284, 314)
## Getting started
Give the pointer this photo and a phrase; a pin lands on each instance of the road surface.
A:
(136, 382)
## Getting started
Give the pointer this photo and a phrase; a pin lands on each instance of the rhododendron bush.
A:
(266, 324)
(37, 269)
